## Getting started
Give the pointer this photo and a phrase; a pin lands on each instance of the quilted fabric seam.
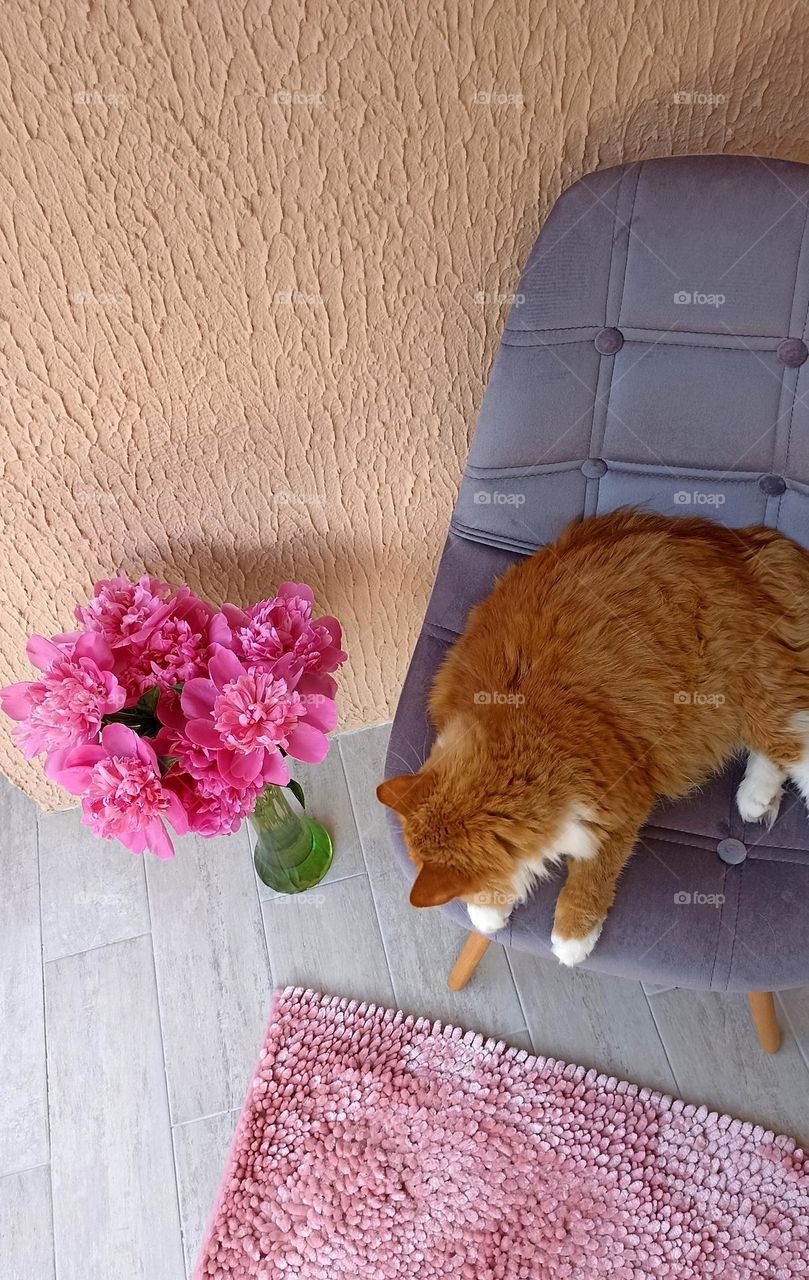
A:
(552, 328)
(435, 629)
(661, 342)
(566, 342)
(651, 833)
(706, 471)
(521, 473)
(805, 322)
(470, 534)
(733, 928)
(628, 242)
(553, 468)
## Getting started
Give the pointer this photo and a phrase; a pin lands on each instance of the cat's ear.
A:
(436, 884)
(402, 794)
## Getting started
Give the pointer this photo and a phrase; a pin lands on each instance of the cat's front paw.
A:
(488, 919)
(571, 951)
(757, 803)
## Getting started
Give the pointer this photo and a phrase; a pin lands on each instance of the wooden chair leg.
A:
(762, 1007)
(469, 957)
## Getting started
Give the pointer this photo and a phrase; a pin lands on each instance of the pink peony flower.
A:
(175, 651)
(159, 633)
(284, 626)
(213, 807)
(66, 705)
(244, 715)
(216, 812)
(123, 795)
(125, 612)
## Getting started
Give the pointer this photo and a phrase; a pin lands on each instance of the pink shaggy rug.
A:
(374, 1146)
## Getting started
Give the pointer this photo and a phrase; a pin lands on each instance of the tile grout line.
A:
(30, 1168)
(322, 884)
(179, 1215)
(519, 997)
(44, 1015)
(261, 920)
(158, 1001)
(98, 946)
(45, 1040)
(648, 999)
(213, 1115)
(350, 791)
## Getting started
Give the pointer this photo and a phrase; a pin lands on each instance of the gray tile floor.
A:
(135, 993)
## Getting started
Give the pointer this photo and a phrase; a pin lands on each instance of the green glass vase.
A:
(292, 852)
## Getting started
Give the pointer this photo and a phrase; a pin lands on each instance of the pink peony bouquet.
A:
(162, 712)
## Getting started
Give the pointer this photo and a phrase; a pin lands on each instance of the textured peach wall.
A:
(243, 249)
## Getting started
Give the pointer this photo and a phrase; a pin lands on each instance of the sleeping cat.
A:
(626, 662)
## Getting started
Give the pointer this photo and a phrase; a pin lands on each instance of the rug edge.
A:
(277, 996)
(644, 1093)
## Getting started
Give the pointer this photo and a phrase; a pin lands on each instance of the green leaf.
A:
(142, 718)
(297, 791)
(148, 700)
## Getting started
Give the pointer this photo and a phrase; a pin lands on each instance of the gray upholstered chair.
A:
(655, 355)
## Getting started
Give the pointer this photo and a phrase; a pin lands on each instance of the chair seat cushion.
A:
(656, 354)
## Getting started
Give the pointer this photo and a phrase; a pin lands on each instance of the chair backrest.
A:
(655, 354)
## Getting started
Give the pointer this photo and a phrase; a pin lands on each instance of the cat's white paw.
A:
(487, 919)
(572, 951)
(756, 802)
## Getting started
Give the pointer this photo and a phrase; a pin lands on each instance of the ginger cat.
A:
(626, 662)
